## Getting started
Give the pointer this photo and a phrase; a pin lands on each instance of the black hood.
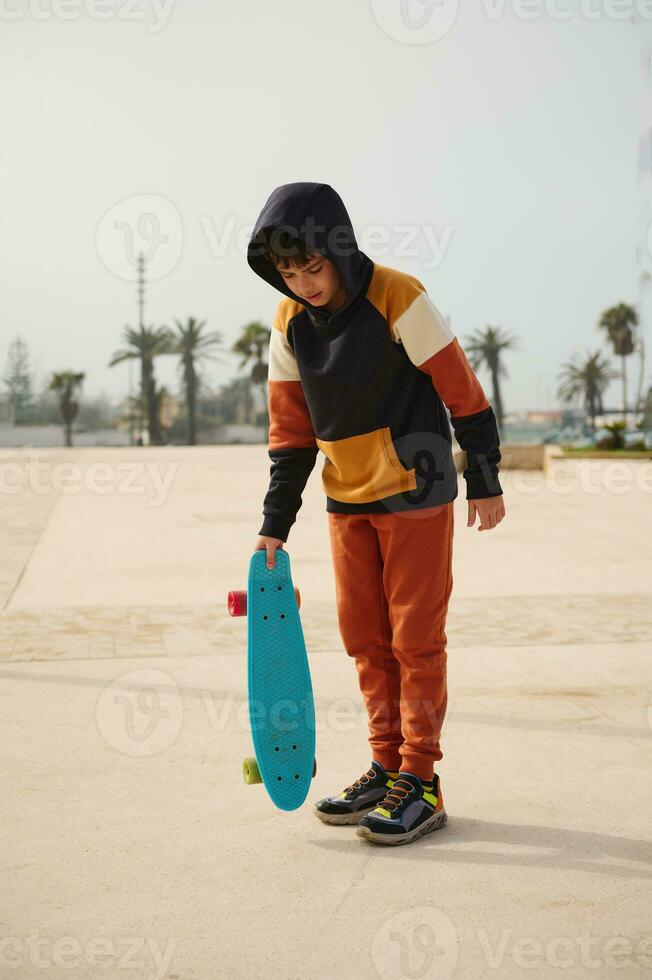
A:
(316, 214)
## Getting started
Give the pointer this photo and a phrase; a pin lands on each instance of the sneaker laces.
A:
(399, 792)
(362, 781)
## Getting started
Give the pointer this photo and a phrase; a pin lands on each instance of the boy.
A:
(363, 366)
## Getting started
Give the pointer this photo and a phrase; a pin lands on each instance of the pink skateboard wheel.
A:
(237, 603)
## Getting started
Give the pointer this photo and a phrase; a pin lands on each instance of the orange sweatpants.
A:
(393, 580)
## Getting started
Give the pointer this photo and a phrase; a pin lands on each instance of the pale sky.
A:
(507, 146)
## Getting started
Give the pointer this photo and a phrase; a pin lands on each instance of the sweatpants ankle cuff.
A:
(424, 770)
(389, 762)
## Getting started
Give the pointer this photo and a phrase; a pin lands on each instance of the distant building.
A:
(51, 436)
(543, 416)
(533, 417)
(169, 410)
(573, 416)
(241, 433)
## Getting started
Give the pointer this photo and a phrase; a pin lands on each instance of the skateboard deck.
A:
(281, 704)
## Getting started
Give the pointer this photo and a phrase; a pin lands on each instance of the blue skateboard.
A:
(281, 705)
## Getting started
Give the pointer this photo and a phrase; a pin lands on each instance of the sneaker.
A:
(411, 808)
(359, 798)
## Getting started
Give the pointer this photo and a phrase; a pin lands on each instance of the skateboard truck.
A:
(237, 601)
(251, 772)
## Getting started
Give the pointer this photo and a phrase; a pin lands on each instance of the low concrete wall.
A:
(52, 436)
(244, 433)
(517, 456)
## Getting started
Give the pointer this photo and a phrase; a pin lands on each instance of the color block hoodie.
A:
(369, 385)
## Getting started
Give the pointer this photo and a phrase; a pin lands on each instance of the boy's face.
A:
(318, 282)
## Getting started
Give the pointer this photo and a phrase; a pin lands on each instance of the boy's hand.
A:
(490, 510)
(270, 545)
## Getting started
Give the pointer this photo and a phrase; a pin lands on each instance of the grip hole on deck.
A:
(279, 778)
(282, 615)
(276, 748)
(296, 775)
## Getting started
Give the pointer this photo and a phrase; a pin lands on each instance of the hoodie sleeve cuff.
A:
(479, 486)
(275, 527)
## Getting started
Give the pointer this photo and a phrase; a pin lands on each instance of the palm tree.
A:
(65, 382)
(486, 347)
(618, 322)
(193, 345)
(586, 380)
(639, 402)
(616, 437)
(146, 343)
(251, 346)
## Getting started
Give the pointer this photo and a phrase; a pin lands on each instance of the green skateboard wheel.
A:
(251, 772)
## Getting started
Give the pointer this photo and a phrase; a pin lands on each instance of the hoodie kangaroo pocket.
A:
(364, 468)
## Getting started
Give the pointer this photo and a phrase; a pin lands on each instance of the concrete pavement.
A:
(131, 847)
